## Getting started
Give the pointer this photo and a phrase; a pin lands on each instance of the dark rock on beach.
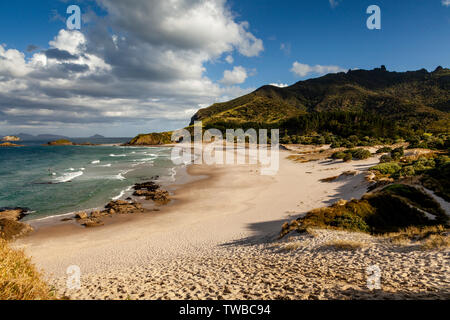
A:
(10, 226)
(124, 207)
(149, 186)
(114, 207)
(151, 191)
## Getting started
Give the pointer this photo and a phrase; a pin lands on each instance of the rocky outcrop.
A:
(94, 219)
(10, 226)
(10, 138)
(65, 142)
(152, 191)
(123, 207)
(60, 142)
(151, 139)
(9, 144)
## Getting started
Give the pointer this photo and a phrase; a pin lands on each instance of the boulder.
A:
(123, 207)
(160, 197)
(91, 222)
(149, 186)
(13, 214)
(81, 215)
(12, 229)
(10, 226)
(97, 214)
(151, 191)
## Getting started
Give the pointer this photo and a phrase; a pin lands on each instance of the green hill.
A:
(376, 99)
(344, 109)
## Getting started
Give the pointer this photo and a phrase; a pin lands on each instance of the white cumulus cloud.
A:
(280, 85)
(303, 70)
(236, 76)
(139, 67)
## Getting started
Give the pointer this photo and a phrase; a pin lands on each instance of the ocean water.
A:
(58, 180)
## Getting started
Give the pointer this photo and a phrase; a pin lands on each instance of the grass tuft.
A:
(19, 279)
(345, 245)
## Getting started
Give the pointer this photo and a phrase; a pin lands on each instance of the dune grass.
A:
(19, 278)
(345, 245)
(397, 209)
(429, 238)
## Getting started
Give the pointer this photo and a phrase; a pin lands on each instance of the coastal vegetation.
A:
(19, 278)
(432, 170)
(392, 209)
(347, 155)
(152, 139)
(357, 108)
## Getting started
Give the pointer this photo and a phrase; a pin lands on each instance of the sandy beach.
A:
(219, 240)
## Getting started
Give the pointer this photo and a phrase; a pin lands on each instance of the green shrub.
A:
(348, 157)
(387, 168)
(394, 208)
(397, 153)
(360, 154)
(407, 171)
(338, 155)
(384, 150)
(349, 221)
(385, 158)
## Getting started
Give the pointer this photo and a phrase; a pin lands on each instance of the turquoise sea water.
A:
(57, 180)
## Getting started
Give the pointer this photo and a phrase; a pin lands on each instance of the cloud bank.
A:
(303, 70)
(140, 66)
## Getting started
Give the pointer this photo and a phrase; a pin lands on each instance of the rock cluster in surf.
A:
(149, 190)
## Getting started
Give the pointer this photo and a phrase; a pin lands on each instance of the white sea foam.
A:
(95, 162)
(117, 155)
(106, 165)
(66, 177)
(144, 159)
(119, 196)
(122, 193)
(120, 175)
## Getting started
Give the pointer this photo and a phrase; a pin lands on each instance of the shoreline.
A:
(121, 192)
(55, 220)
(219, 239)
(199, 182)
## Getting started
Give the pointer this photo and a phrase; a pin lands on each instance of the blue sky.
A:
(414, 35)
(146, 66)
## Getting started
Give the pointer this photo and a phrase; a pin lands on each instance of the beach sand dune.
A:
(219, 240)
